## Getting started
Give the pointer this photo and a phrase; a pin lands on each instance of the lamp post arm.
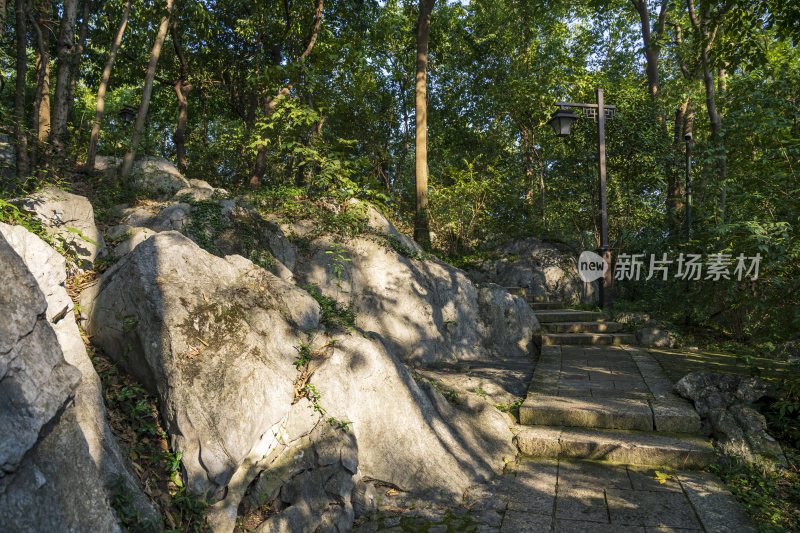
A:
(589, 106)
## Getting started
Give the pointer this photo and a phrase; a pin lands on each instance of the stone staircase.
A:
(573, 327)
(596, 396)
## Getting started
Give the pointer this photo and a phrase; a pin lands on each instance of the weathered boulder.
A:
(48, 478)
(311, 487)
(35, 380)
(407, 433)
(378, 222)
(656, 337)
(548, 271)
(425, 311)
(222, 226)
(107, 164)
(214, 338)
(49, 269)
(724, 402)
(158, 176)
(71, 218)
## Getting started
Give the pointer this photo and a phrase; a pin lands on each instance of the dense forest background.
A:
(319, 98)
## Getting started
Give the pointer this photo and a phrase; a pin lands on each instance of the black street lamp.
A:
(688, 139)
(127, 114)
(561, 121)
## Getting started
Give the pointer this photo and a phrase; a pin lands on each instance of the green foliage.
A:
(771, 498)
(449, 394)
(10, 214)
(333, 316)
(512, 408)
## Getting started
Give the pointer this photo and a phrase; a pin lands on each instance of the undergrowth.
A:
(772, 499)
(333, 316)
(133, 415)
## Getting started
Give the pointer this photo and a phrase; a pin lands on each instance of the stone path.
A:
(544, 496)
(606, 446)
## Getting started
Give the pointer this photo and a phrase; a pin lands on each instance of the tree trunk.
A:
(66, 41)
(41, 105)
(723, 158)
(674, 176)
(182, 89)
(78, 54)
(260, 166)
(422, 232)
(101, 91)
(127, 161)
(652, 50)
(19, 99)
(2, 17)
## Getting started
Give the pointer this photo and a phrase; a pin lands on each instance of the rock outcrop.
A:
(49, 269)
(71, 218)
(217, 340)
(425, 311)
(49, 480)
(548, 271)
(725, 402)
(158, 176)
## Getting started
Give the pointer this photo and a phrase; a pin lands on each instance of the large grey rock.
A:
(408, 435)
(49, 270)
(35, 380)
(158, 176)
(214, 338)
(224, 226)
(656, 337)
(48, 478)
(314, 483)
(71, 218)
(378, 222)
(725, 402)
(507, 323)
(548, 271)
(57, 487)
(425, 311)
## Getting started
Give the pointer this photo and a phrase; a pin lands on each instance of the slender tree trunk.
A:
(19, 99)
(182, 89)
(41, 105)
(422, 232)
(101, 91)
(2, 17)
(78, 54)
(147, 91)
(260, 166)
(723, 158)
(66, 45)
(652, 51)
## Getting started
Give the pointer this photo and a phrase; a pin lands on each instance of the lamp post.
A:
(561, 121)
(688, 139)
(128, 115)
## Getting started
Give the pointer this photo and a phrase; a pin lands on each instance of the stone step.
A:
(673, 451)
(568, 315)
(582, 327)
(538, 306)
(608, 409)
(584, 339)
(529, 297)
